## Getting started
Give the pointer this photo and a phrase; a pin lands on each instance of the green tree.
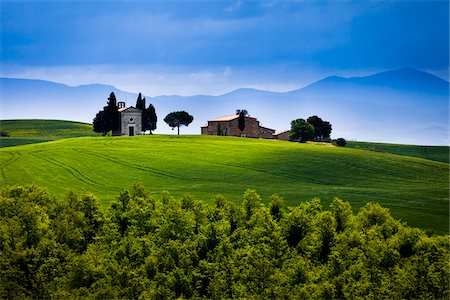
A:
(112, 114)
(140, 103)
(301, 131)
(322, 129)
(150, 118)
(177, 119)
(99, 123)
(341, 142)
(107, 119)
(147, 246)
(147, 114)
(252, 201)
(276, 207)
(241, 120)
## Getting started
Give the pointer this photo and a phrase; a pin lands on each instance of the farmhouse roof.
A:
(267, 128)
(227, 118)
(280, 132)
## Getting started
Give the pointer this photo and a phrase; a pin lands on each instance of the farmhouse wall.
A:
(230, 127)
(284, 135)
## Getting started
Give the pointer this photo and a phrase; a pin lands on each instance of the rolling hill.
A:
(416, 190)
(403, 106)
(436, 153)
(22, 132)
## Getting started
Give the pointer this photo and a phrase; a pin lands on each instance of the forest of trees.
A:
(158, 246)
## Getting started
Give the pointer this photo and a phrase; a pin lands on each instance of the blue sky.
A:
(212, 47)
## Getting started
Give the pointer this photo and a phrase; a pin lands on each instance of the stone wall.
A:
(283, 135)
(131, 117)
(230, 128)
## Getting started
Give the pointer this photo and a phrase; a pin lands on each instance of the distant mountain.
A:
(40, 99)
(399, 106)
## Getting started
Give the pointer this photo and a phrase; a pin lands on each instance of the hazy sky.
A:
(212, 47)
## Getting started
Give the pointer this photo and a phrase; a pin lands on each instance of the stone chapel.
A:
(130, 120)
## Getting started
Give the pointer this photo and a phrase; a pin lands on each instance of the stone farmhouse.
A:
(282, 135)
(130, 120)
(228, 126)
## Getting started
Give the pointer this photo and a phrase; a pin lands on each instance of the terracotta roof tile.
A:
(227, 118)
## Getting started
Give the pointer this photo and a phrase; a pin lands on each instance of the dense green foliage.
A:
(108, 119)
(178, 118)
(322, 129)
(140, 103)
(301, 131)
(341, 142)
(415, 190)
(436, 153)
(241, 120)
(149, 117)
(161, 247)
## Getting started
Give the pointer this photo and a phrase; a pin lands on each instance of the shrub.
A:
(340, 142)
(4, 134)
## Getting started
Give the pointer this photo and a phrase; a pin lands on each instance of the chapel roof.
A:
(128, 108)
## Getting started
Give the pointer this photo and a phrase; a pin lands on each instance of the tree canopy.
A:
(178, 118)
(314, 128)
(149, 118)
(107, 119)
(140, 103)
(241, 120)
(322, 129)
(301, 131)
(150, 246)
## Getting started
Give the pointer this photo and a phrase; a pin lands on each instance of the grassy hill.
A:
(22, 132)
(416, 190)
(436, 153)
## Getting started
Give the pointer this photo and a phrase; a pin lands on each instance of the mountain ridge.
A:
(393, 106)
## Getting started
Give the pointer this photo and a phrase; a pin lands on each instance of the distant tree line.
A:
(148, 246)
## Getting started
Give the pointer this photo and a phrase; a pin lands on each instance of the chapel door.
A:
(131, 131)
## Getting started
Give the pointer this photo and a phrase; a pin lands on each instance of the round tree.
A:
(177, 119)
(301, 131)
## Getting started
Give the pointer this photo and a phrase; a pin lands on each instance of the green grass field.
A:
(436, 153)
(416, 190)
(36, 131)
(16, 141)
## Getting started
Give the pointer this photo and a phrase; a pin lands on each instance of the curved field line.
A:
(134, 166)
(8, 162)
(274, 173)
(376, 170)
(77, 174)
